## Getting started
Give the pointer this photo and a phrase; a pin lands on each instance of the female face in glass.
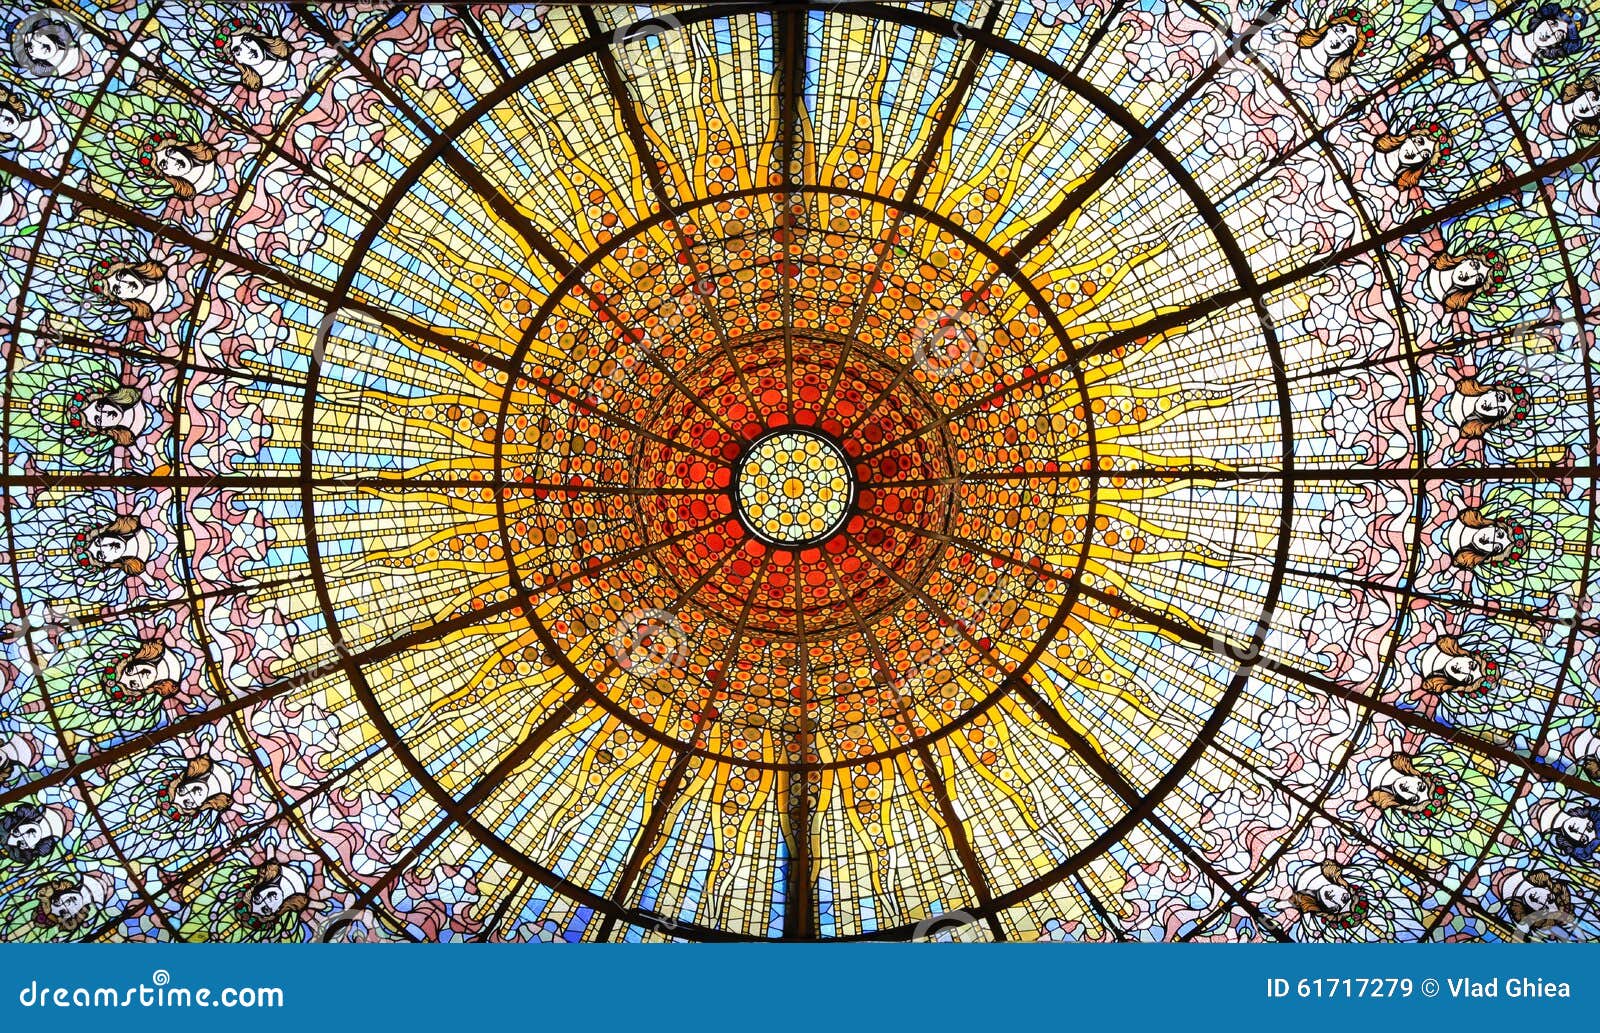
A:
(190, 794)
(1334, 899)
(1416, 152)
(1469, 273)
(1341, 39)
(102, 415)
(1576, 827)
(124, 286)
(1495, 403)
(246, 51)
(1410, 789)
(266, 901)
(68, 904)
(44, 48)
(170, 161)
(107, 549)
(137, 677)
(1463, 670)
(1492, 540)
(25, 836)
(1551, 31)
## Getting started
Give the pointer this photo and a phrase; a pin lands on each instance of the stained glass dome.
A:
(1018, 470)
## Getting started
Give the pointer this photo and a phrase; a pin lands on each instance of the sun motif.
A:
(794, 487)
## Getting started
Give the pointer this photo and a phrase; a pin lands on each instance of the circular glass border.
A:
(828, 442)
